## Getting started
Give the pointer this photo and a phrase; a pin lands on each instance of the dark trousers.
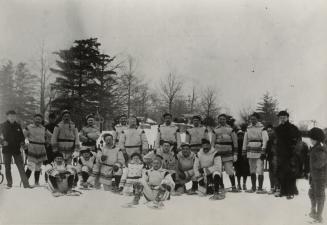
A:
(274, 182)
(20, 166)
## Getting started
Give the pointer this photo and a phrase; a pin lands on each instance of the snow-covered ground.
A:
(37, 206)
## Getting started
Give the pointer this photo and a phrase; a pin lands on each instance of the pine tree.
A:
(268, 109)
(86, 82)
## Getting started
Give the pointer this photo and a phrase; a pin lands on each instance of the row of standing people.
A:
(225, 148)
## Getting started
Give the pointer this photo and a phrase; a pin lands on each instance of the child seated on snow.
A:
(84, 166)
(131, 174)
(318, 173)
(108, 166)
(61, 177)
(156, 185)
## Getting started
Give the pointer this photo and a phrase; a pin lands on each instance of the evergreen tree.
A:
(85, 81)
(268, 109)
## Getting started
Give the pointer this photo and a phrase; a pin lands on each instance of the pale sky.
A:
(242, 47)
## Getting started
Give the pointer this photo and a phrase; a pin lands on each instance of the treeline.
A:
(87, 80)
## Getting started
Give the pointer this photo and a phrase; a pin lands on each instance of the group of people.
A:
(123, 162)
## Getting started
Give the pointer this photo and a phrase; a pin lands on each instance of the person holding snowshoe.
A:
(208, 171)
(156, 185)
(109, 164)
(37, 136)
(61, 177)
(255, 142)
(185, 170)
(131, 174)
(84, 166)
(318, 173)
(225, 142)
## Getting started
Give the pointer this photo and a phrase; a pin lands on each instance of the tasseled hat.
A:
(167, 114)
(196, 117)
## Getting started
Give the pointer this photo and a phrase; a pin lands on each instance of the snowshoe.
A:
(191, 192)
(217, 196)
(73, 193)
(234, 190)
(155, 205)
(57, 194)
(261, 191)
(250, 190)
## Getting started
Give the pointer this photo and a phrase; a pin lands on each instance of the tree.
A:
(87, 81)
(245, 114)
(77, 73)
(209, 103)
(25, 92)
(44, 81)
(7, 88)
(170, 88)
(268, 109)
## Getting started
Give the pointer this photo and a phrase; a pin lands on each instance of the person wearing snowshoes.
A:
(185, 170)
(195, 134)
(156, 185)
(169, 162)
(84, 166)
(255, 142)
(108, 166)
(208, 171)
(12, 139)
(37, 136)
(318, 173)
(61, 177)
(132, 174)
(225, 143)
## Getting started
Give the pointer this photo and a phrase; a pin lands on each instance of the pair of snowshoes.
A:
(69, 193)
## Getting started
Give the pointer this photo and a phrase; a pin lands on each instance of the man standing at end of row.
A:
(255, 142)
(65, 138)
(195, 134)
(225, 142)
(168, 132)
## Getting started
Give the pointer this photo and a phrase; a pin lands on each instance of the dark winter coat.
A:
(288, 154)
(13, 134)
(318, 163)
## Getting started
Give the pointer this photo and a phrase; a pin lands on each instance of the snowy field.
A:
(37, 206)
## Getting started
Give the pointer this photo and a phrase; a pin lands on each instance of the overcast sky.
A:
(242, 47)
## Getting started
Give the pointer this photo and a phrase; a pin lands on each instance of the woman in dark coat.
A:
(288, 156)
(242, 167)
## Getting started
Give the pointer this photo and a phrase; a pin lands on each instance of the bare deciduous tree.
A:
(170, 88)
(209, 103)
(245, 114)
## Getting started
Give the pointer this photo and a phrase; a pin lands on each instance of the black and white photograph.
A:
(163, 112)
